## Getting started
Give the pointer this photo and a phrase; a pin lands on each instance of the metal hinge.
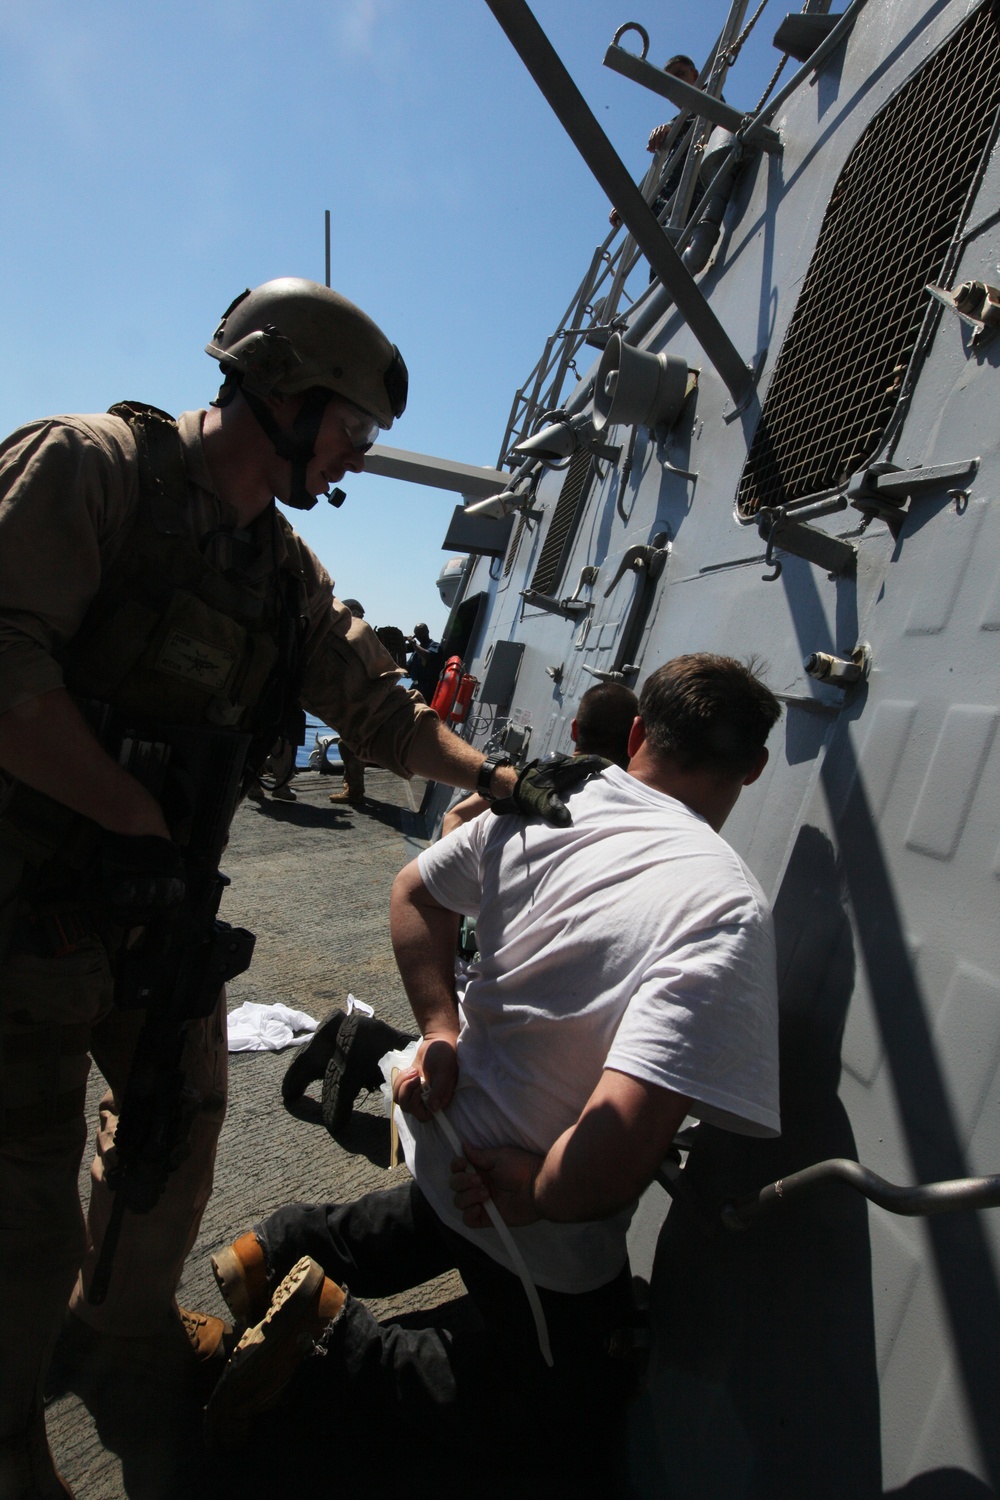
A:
(883, 489)
(650, 559)
(976, 303)
(570, 608)
(794, 535)
(840, 671)
(628, 669)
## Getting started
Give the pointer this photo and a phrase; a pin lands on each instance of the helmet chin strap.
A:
(297, 446)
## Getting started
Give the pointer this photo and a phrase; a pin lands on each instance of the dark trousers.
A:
(435, 1384)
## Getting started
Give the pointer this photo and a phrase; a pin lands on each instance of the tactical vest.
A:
(184, 630)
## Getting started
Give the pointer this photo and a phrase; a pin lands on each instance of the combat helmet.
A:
(293, 337)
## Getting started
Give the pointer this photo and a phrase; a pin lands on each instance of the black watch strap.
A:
(489, 765)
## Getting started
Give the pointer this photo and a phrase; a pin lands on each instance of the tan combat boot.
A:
(354, 798)
(267, 1356)
(242, 1278)
(189, 1348)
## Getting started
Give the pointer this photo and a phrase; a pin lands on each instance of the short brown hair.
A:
(708, 713)
(680, 60)
(604, 719)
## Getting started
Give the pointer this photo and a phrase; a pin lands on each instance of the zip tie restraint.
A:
(507, 1239)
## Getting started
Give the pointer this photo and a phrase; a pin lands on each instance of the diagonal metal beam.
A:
(439, 473)
(685, 96)
(576, 117)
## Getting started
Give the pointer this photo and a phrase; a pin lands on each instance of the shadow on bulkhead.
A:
(762, 1382)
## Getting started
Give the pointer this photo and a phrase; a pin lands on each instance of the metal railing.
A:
(919, 1200)
(595, 309)
(593, 314)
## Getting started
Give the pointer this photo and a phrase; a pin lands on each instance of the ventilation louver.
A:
(555, 548)
(515, 542)
(893, 215)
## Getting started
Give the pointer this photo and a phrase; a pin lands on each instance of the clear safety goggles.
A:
(360, 429)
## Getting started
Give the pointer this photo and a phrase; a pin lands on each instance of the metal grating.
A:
(515, 542)
(894, 213)
(569, 506)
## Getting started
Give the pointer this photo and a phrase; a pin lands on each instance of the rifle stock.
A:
(178, 965)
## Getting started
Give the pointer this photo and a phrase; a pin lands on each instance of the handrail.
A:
(928, 1198)
(618, 264)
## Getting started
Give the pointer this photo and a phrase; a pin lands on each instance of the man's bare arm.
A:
(424, 935)
(46, 743)
(463, 812)
(442, 756)
(596, 1167)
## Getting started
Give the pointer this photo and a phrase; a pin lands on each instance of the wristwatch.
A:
(489, 765)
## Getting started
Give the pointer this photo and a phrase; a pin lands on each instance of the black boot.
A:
(308, 1065)
(360, 1042)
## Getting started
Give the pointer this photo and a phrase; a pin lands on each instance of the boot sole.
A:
(338, 1100)
(265, 1359)
(310, 1062)
(345, 1079)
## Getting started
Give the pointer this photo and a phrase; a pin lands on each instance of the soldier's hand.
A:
(140, 876)
(542, 784)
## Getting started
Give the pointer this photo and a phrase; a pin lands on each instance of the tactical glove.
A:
(140, 877)
(540, 787)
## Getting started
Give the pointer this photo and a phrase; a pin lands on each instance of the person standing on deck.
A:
(424, 662)
(679, 66)
(147, 580)
(353, 790)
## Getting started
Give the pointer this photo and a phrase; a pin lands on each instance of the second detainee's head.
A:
(683, 67)
(708, 713)
(603, 722)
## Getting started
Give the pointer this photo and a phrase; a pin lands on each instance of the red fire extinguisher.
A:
(463, 699)
(447, 688)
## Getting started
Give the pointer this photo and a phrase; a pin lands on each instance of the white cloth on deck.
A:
(267, 1028)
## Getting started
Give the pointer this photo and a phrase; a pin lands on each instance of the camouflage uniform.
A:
(71, 518)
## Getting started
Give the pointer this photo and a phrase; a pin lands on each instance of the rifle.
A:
(180, 960)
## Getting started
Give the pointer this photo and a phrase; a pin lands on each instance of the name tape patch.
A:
(185, 656)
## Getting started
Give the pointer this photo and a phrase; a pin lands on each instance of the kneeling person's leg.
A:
(380, 1244)
(323, 1349)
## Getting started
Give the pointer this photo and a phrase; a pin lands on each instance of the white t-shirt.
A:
(636, 939)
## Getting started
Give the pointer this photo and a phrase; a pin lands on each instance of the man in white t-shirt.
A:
(626, 980)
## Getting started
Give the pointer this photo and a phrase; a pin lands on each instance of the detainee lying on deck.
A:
(626, 980)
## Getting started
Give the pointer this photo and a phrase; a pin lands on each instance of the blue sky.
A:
(158, 158)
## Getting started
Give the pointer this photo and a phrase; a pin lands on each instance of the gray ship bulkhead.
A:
(832, 1349)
